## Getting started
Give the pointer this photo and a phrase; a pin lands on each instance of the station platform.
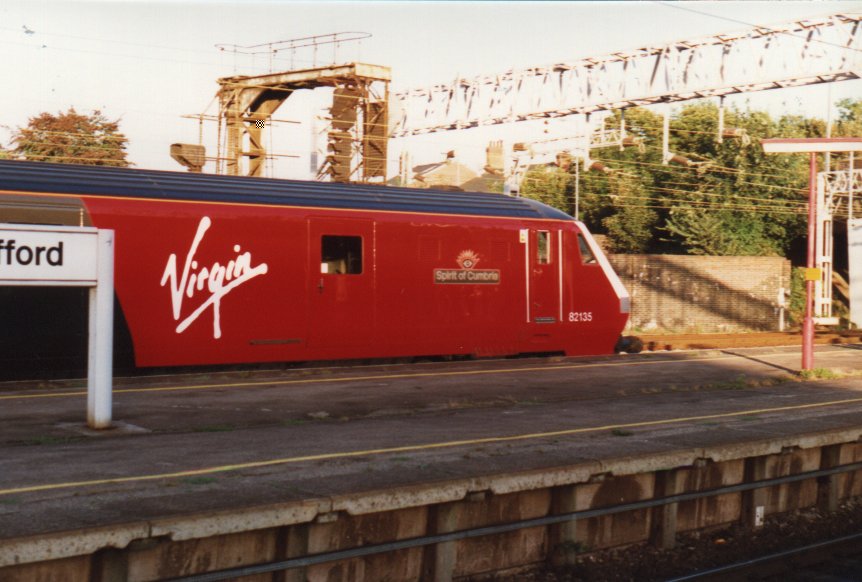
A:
(204, 444)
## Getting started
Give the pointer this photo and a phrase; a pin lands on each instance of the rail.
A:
(292, 563)
(722, 570)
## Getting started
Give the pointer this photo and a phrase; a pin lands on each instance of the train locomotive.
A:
(214, 270)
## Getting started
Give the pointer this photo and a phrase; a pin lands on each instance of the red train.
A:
(217, 270)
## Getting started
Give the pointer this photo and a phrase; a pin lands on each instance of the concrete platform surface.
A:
(197, 443)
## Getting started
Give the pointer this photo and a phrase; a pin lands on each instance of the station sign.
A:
(66, 256)
(50, 255)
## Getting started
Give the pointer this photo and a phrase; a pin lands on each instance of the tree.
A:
(849, 122)
(630, 229)
(750, 202)
(549, 185)
(727, 198)
(72, 138)
(720, 232)
(629, 204)
(730, 198)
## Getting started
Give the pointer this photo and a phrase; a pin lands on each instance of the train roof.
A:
(41, 177)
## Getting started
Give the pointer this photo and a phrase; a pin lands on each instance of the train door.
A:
(543, 264)
(342, 282)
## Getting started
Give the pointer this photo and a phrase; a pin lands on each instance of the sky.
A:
(149, 63)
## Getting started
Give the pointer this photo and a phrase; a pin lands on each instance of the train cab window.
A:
(341, 255)
(543, 247)
(587, 256)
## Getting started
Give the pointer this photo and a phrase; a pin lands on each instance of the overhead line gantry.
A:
(805, 52)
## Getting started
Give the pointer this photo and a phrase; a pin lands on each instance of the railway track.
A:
(834, 560)
(662, 342)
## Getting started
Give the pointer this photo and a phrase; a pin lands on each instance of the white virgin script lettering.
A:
(219, 280)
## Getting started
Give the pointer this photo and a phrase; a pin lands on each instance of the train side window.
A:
(587, 256)
(543, 247)
(341, 255)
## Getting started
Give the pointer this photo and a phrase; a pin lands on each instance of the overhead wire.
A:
(788, 189)
(42, 46)
(657, 202)
(727, 203)
(699, 185)
(687, 8)
(713, 168)
(80, 159)
(695, 185)
(768, 207)
(669, 167)
(106, 40)
(88, 135)
(113, 54)
(70, 146)
(699, 204)
(193, 50)
(662, 204)
(374, 158)
(275, 58)
(245, 67)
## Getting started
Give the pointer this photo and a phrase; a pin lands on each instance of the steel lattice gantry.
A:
(359, 116)
(766, 57)
(838, 192)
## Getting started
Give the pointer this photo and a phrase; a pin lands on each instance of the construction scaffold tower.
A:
(357, 121)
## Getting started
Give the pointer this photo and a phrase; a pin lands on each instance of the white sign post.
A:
(854, 244)
(59, 256)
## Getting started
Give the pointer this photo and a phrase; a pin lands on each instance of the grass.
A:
(620, 432)
(819, 374)
(741, 383)
(738, 383)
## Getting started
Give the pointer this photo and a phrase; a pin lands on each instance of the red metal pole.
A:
(808, 322)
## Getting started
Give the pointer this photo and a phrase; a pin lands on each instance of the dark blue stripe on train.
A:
(124, 182)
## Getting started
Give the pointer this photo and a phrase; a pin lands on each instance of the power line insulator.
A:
(736, 133)
(564, 161)
(678, 159)
(632, 141)
(598, 167)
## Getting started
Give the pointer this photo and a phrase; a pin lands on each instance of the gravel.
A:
(699, 551)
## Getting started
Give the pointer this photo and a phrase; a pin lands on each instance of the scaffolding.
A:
(357, 136)
(356, 124)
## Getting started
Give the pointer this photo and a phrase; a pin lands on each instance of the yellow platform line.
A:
(367, 378)
(414, 448)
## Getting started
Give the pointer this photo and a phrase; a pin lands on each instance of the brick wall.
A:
(685, 293)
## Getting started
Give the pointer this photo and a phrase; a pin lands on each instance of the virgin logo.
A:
(218, 280)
